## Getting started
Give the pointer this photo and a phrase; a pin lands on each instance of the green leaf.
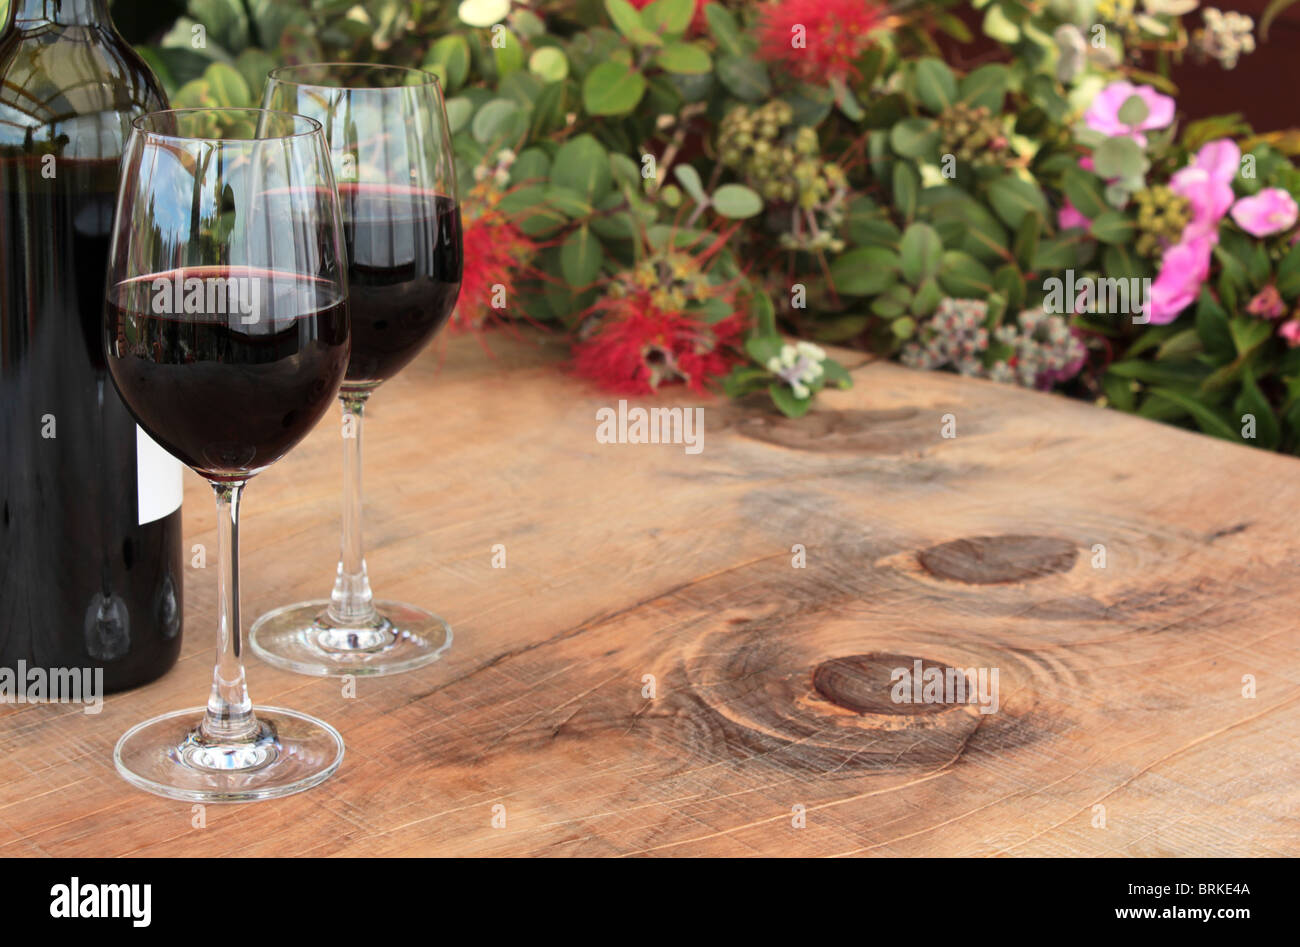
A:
(1119, 392)
(1010, 285)
(626, 171)
(500, 121)
(568, 201)
(915, 138)
(628, 22)
(763, 348)
(893, 302)
(903, 327)
(864, 271)
(1119, 157)
(225, 21)
(684, 58)
(1249, 333)
(460, 112)
(452, 54)
(1182, 345)
(836, 374)
(226, 86)
(253, 65)
(764, 314)
(1084, 191)
(1162, 373)
(921, 252)
(1012, 197)
(550, 63)
(997, 26)
(1120, 262)
(927, 297)
(582, 164)
(1206, 419)
(1042, 91)
(724, 29)
(1288, 274)
(528, 204)
(784, 399)
(612, 88)
(986, 86)
(532, 164)
(615, 226)
(1025, 246)
(1114, 226)
(936, 86)
(580, 258)
(1212, 327)
(907, 187)
(745, 77)
(1054, 255)
(1250, 400)
(670, 17)
(690, 179)
(963, 276)
(737, 201)
(1133, 111)
(548, 110)
(743, 380)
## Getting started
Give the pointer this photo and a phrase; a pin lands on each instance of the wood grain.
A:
(1119, 687)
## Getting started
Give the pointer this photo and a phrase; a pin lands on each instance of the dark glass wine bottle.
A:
(90, 521)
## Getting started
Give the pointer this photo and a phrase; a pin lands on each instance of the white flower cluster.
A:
(499, 171)
(799, 366)
(1226, 36)
(955, 336)
(1043, 349)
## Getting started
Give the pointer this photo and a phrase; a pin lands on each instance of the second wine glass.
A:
(387, 131)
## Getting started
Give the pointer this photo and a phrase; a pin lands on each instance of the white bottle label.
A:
(158, 476)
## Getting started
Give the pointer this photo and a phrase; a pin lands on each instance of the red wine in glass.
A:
(227, 394)
(226, 333)
(404, 272)
(389, 140)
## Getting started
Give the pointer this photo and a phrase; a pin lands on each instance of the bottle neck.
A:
(63, 12)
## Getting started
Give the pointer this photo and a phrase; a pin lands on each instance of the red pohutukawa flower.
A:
(496, 254)
(818, 39)
(636, 347)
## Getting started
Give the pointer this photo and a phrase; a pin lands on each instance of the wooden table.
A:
(1121, 729)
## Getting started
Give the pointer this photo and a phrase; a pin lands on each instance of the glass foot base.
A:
(305, 639)
(168, 756)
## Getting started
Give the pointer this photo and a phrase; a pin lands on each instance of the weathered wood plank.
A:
(1119, 686)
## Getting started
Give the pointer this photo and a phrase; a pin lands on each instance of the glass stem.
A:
(351, 601)
(230, 712)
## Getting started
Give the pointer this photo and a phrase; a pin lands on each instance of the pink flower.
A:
(1290, 331)
(1210, 200)
(1220, 158)
(1267, 303)
(1207, 185)
(1103, 113)
(1270, 211)
(1183, 268)
(1070, 216)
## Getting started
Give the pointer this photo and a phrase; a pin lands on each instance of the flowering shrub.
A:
(705, 194)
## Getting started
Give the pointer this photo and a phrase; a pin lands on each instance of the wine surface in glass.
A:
(229, 394)
(404, 273)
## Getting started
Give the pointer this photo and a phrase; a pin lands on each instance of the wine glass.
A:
(226, 331)
(387, 131)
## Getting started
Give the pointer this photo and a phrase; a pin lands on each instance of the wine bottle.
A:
(90, 523)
